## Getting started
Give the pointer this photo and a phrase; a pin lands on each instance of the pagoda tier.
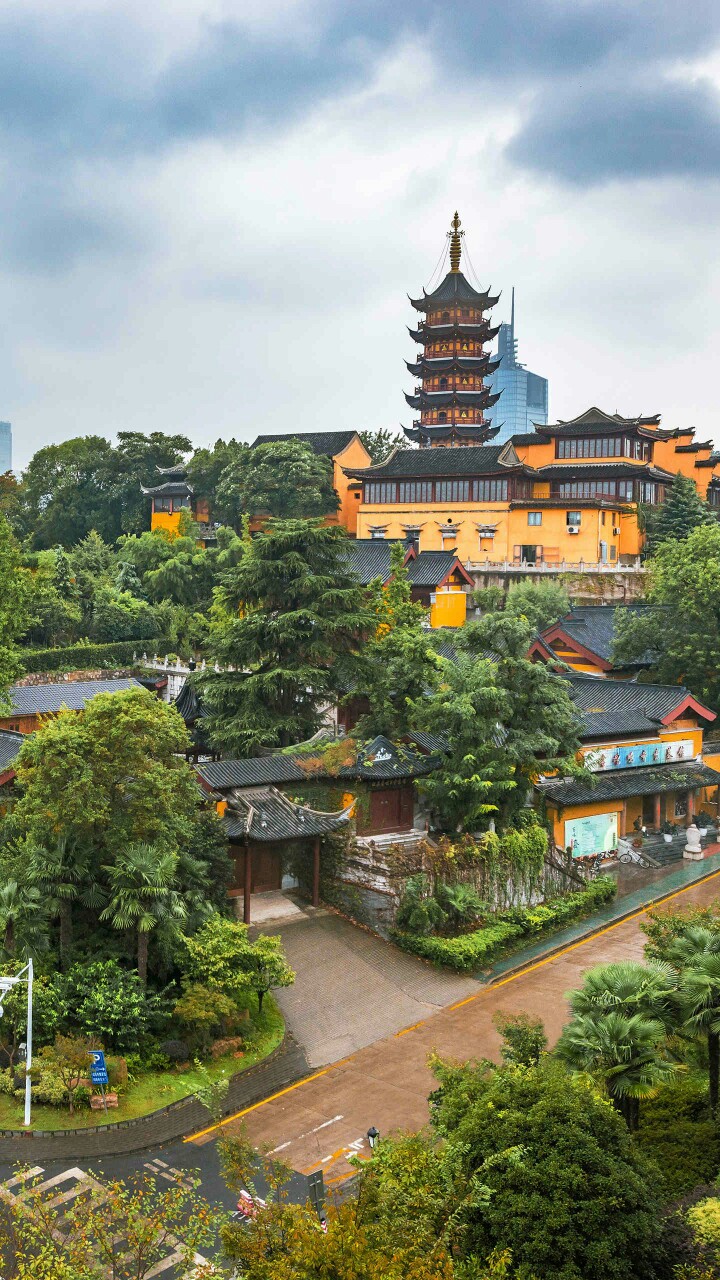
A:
(429, 333)
(478, 399)
(454, 291)
(451, 433)
(426, 367)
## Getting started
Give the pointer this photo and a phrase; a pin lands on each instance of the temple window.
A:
(442, 416)
(443, 384)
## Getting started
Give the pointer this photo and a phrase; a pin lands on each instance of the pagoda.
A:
(452, 394)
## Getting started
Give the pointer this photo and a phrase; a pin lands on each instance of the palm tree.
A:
(20, 907)
(64, 871)
(621, 1051)
(143, 895)
(630, 987)
(696, 955)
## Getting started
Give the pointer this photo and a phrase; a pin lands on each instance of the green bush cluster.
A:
(474, 950)
(78, 656)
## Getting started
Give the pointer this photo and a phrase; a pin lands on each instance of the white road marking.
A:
(284, 1145)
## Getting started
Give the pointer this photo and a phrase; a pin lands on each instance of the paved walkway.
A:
(321, 1121)
(352, 988)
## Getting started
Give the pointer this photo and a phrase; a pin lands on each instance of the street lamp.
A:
(372, 1136)
(7, 984)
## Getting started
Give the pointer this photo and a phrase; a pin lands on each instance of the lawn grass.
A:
(156, 1089)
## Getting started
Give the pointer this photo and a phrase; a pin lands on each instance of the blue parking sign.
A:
(98, 1069)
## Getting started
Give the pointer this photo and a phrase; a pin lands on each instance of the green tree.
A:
(524, 1039)
(65, 492)
(222, 957)
(565, 1188)
(398, 664)
(203, 1013)
(537, 730)
(682, 511)
(623, 1053)
(542, 603)
(68, 1060)
(143, 895)
(283, 478)
(62, 870)
(287, 620)
(21, 917)
(132, 464)
(465, 709)
(381, 442)
(14, 619)
(205, 471)
(683, 577)
(629, 987)
(110, 776)
(102, 1000)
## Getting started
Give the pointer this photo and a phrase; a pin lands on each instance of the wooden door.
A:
(266, 869)
(390, 810)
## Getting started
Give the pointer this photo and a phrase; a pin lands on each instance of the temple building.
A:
(452, 394)
(173, 495)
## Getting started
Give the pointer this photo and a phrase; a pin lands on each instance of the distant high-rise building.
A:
(523, 395)
(5, 447)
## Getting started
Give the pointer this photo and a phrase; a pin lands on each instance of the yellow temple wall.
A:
(168, 520)
(355, 455)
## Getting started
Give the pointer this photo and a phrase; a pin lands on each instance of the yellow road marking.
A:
(414, 1027)
(521, 973)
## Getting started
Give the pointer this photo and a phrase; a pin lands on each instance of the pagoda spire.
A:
(454, 237)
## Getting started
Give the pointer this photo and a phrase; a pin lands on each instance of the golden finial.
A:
(455, 246)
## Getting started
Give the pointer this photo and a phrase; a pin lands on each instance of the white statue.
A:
(693, 849)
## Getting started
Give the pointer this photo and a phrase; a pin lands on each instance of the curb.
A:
(597, 928)
(285, 1065)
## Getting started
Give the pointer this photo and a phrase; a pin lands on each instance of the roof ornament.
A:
(454, 237)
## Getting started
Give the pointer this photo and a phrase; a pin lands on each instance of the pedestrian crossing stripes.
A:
(63, 1189)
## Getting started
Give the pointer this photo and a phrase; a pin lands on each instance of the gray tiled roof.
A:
(593, 626)
(430, 567)
(594, 420)
(581, 468)
(402, 762)
(41, 699)
(631, 782)
(622, 706)
(266, 814)
(328, 443)
(469, 460)
(10, 744)
(455, 288)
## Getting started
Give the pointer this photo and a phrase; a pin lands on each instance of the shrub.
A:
(81, 1096)
(175, 1050)
(419, 912)
(79, 656)
(46, 1088)
(678, 1133)
(117, 1069)
(7, 1082)
(482, 946)
(461, 902)
(107, 1001)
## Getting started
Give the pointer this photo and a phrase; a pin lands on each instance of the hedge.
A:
(474, 950)
(78, 656)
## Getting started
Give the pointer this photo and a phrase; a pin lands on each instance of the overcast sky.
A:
(211, 211)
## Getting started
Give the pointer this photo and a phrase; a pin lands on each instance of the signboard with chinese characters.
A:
(641, 754)
(587, 836)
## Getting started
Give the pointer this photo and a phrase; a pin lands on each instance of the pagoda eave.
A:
(445, 399)
(426, 366)
(474, 433)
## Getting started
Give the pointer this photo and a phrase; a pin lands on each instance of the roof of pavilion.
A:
(629, 782)
(581, 469)
(592, 628)
(10, 744)
(370, 558)
(266, 814)
(325, 443)
(45, 699)
(471, 460)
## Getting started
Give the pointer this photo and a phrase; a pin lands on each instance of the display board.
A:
(638, 756)
(595, 834)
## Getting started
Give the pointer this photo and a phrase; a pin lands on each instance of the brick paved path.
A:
(352, 988)
(319, 1122)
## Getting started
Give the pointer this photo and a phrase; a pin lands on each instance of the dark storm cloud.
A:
(601, 103)
(634, 131)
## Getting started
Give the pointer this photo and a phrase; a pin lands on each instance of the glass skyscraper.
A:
(524, 398)
(5, 447)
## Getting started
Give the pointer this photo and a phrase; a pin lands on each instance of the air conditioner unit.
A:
(573, 528)
(616, 529)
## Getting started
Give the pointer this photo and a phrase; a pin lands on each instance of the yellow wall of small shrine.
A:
(169, 520)
(449, 608)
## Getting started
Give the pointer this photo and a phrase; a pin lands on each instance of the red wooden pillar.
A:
(623, 819)
(658, 818)
(691, 806)
(316, 873)
(248, 884)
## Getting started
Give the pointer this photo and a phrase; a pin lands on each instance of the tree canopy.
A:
(14, 589)
(682, 511)
(282, 478)
(681, 629)
(287, 620)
